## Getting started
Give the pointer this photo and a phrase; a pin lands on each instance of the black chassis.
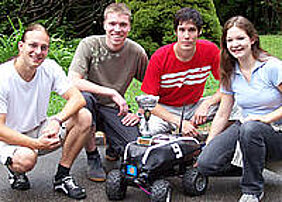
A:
(159, 160)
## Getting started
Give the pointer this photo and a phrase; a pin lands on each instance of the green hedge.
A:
(152, 24)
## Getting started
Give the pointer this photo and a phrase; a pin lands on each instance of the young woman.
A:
(253, 79)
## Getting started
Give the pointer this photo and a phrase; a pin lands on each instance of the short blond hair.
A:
(120, 8)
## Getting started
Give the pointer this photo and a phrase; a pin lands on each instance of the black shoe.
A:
(95, 169)
(68, 186)
(111, 155)
(18, 181)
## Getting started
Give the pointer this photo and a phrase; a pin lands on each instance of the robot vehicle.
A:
(149, 160)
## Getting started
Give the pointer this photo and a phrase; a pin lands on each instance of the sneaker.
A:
(251, 197)
(68, 186)
(18, 181)
(111, 155)
(95, 169)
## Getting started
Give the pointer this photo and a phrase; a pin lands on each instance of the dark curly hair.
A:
(188, 14)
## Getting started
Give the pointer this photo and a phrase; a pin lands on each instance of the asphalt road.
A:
(219, 189)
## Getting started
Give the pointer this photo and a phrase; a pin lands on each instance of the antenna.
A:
(181, 120)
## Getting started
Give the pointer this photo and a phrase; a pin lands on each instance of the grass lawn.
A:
(272, 44)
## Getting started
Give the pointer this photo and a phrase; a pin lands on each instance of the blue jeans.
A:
(259, 143)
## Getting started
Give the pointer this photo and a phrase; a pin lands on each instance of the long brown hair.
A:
(227, 61)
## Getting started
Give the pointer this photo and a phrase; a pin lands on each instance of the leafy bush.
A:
(62, 51)
(152, 24)
(75, 18)
(9, 44)
(266, 15)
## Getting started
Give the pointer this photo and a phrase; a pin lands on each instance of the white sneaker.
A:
(251, 197)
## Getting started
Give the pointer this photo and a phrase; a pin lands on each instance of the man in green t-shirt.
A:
(102, 68)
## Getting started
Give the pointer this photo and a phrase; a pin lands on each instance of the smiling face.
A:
(187, 34)
(117, 26)
(34, 48)
(238, 43)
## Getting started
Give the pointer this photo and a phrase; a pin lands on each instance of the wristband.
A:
(58, 120)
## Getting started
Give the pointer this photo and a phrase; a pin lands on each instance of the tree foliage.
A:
(71, 18)
(265, 14)
(152, 24)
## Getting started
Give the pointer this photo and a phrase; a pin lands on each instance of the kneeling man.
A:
(25, 130)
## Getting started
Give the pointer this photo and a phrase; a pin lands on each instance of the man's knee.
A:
(80, 124)
(83, 121)
(84, 118)
(24, 160)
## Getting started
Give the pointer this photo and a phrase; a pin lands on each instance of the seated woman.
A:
(253, 79)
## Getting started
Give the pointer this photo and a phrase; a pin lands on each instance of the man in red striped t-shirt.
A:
(177, 73)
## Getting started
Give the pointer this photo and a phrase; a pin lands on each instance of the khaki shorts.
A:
(7, 150)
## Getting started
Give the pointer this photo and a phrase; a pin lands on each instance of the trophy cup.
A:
(147, 103)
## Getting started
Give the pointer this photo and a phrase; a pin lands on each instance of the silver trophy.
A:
(147, 103)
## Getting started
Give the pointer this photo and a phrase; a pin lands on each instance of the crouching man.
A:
(25, 131)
